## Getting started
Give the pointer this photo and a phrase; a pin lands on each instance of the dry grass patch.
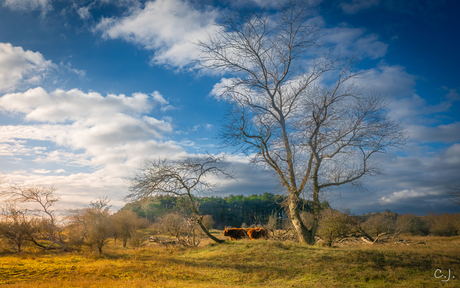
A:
(240, 264)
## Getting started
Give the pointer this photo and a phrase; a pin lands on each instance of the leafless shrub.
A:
(207, 221)
(379, 223)
(182, 228)
(444, 224)
(40, 200)
(94, 223)
(334, 225)
(126, 223)
(17, 226)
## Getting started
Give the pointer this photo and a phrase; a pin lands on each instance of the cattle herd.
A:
(252, 233)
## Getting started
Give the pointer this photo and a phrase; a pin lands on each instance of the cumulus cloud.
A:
(413, 183)
(82, 121)
(397, 197)
(415, 110)
(419, 178)
(169, 27)
(19, 67)
(347, 38)
(93, 117)
(390, 80)
(60, 105)
(105, 138)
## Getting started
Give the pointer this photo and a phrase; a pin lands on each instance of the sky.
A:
(90, 89)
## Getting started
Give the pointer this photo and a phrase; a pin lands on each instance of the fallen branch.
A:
(424, 242)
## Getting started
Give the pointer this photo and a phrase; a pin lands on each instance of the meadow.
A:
(240, 264)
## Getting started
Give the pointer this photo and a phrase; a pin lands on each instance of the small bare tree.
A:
(17, 226)
(94, 223)
(125, 223)
(42, 199)
(293, 105)
(182, 178)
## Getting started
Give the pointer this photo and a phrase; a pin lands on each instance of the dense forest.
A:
(234, 211)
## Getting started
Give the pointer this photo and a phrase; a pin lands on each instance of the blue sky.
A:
(89, 89)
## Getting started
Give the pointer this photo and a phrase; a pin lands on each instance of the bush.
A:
(207, 222)
(379, 223)
(443, 224)
(333, 224)
(125, 223)
(416, 227)
(174, 224)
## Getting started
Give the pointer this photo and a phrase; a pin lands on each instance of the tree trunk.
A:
(304, 234)
(198, 220)
(208, 233)
(193, 231)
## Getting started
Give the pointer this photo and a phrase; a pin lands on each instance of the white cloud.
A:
(41, 171)
(61, 106)
(404, 195)
(88, 119)
(102, 138)
(415, 110)
(346, 38)
(28, 5)
(389, 80)
(357, 5)
(84, 13)
(452, 95)
(12, 147)
(68, 67)
(19, 67)
(449, 133)
(169, 27)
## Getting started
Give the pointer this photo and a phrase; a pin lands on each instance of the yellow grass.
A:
(240, 264)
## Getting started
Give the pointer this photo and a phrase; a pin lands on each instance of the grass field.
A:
(241, 264)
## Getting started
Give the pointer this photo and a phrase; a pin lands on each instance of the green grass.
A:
(240, 264)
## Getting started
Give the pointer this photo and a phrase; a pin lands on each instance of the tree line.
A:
(229, 211)
(28, 219)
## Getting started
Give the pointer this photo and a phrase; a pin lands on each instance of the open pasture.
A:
(241, 264)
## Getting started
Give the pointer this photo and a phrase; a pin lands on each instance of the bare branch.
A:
(182, 177)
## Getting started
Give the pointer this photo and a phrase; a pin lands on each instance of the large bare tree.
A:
(182, 178)
(293, 105)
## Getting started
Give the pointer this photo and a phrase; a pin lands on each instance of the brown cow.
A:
(235, 233)
(258, 232)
